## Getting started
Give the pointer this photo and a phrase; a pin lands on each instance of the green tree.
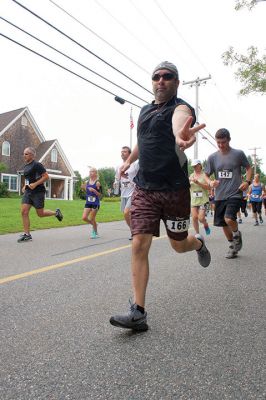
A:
(78, 192)
(251, 70)
(107, 177)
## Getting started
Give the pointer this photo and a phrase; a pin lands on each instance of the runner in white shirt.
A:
(126, 184)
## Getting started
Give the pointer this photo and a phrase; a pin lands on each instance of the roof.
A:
(7, 117)
(43, 148)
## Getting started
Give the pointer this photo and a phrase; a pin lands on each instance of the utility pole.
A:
(197, 82)
(255, 158)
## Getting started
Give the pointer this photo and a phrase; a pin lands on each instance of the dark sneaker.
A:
(246, 213)
(134, 319)
(204, 255)
(232, 253)
(58, 214)
(256, 223)
(24, 238)
(261, 220)
(237, 240)
(240, 221)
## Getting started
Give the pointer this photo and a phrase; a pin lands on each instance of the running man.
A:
(162, 187)
(243, 205)
(255, 193)
(92, 205)
(226, 164)
(34, 193)
(199, 197)
(125, 181)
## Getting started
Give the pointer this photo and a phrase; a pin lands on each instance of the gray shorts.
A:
(125, 203)
(35, 199)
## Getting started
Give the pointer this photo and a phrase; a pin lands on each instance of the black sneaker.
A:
(256, 223)
(58, 214)
(261, 220)
(134, 319)
(204, 255)
(24, 238)
(246, 213)
(240, 221)
(237, 240)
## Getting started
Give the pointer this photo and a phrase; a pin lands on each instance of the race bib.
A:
(197, 194)
(91, 199)
(255, 196)
(177, 226)
(27, 182)
(125, 184)
(225, 174)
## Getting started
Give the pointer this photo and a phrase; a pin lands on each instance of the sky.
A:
(132, 37)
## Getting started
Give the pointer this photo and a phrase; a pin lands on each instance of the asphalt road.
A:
(207, 326)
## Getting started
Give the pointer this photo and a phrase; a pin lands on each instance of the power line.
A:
(99, 37)
(126, 29)
(72, 59)
(66, 69)
(184, 40)
(79, 44)
(165, 38)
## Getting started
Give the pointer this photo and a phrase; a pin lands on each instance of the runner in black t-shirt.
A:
(34, 193)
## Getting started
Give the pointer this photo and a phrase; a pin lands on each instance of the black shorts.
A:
(256, 206)
(149, 207)
(35, 199)
(226, 209)
(93, 206)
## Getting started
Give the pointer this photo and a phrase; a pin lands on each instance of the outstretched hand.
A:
(186, 137)
(123, 169)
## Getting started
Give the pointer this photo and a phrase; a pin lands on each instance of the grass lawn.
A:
(10, 218)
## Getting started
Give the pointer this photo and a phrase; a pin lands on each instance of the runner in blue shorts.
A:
(92, 205)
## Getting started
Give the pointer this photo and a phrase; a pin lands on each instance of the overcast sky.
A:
(133, 36)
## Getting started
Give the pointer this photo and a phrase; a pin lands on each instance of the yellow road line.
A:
(64, 264)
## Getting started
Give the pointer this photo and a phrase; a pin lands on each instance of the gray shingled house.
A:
(19, 130)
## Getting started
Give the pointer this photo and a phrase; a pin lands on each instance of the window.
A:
(11, 182)
(6, 149)
(54, 155)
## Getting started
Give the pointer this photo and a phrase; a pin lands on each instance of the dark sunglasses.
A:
(166, 77)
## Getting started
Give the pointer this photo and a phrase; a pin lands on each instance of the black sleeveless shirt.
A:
(159, 164)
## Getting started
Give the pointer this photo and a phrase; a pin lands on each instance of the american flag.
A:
(131, 120)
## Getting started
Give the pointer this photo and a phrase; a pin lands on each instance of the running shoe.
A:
(131, 237)
(134, 319)
(24, 238)
(94, 235)
(207, 230)
(204, 255)
(58, 214)
(261, 220)
(246, 213)
(240, 221)
(237, 240)
(232, 253)
(256, 223)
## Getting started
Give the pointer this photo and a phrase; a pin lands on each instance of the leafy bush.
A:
(3, 190)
